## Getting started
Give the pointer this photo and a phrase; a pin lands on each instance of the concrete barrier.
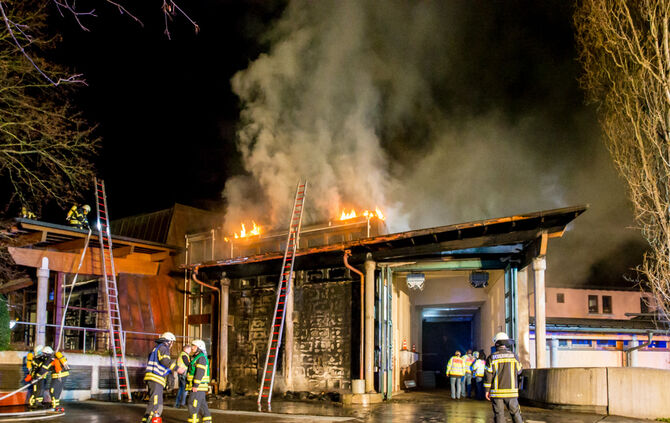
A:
(620, 391)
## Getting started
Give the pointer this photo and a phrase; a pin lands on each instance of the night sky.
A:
(460, 111)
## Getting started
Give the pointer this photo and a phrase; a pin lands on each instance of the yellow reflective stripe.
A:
(155, 399)
(203, 367)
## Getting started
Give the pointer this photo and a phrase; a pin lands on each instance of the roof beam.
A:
(77, 244)
(30, 239)
(68, 262)
(15, 284)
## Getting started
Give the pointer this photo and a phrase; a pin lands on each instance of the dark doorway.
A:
(440, 341)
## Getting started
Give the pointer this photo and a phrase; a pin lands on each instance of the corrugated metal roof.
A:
(149, 226)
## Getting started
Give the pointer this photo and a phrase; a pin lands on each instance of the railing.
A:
(97, 337)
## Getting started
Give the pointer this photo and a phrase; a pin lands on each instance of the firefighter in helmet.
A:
(33, 362)
(77, 216)
(197, 381)
(60, 370)
(501, 385)
(159, 365)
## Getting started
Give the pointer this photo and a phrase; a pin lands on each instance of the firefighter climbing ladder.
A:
(284, 286)
(116, 341)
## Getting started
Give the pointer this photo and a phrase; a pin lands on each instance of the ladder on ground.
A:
(116, 341)
(283, 288)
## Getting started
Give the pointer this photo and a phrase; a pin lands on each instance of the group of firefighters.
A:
(495, 377)
(41, 362)
(192, 367)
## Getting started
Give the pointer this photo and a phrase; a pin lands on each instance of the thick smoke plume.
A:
(437, 112)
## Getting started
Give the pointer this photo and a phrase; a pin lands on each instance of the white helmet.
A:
(169, 336)
(200, 344)
(47, 351)
(86, 208)
(38, 349)
(500, 336)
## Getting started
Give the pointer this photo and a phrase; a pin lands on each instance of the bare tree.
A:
(45, 146)
(624, 47)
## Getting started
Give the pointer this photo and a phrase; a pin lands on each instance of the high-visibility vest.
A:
(468, 363)
(156, 371)
(198, 373)
(456, 366)
(478, 368)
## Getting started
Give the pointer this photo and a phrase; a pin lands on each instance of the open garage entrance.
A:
(441, 337)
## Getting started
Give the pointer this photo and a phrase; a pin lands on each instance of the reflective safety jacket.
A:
(478, 368)
(468, 363)
(198, 373)
(456, 366)
(502, 369)
(159, 364)
(77, 218)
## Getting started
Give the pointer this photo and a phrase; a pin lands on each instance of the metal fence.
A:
(76, 338)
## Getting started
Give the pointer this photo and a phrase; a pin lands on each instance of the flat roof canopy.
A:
(493, 242)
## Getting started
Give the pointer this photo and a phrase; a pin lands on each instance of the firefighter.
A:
(182, 365)
(60, 370)
(467, 379)
(27, 214)
(197, 381)
(77, 216)
(502, 369)
(455, 372)
(36, 376)
(478, 369)
(158, 367)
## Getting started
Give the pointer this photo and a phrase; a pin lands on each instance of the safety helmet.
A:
(500, 336)
(38, 349)
(86, 208)
(457, 353)
(169, 336)
(47, 351)
(475, 354)
(200, 344)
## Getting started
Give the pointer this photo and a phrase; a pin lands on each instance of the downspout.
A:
(347, 254)
(194, 277)
(628, 351)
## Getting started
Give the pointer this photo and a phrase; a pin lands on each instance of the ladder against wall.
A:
(116, 341)
(283, 287)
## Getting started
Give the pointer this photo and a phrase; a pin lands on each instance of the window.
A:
(581, 343)
(606, 343)
(560, 298)
(593, 303)
(607, 304)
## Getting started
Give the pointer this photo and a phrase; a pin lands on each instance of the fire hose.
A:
(32, 382)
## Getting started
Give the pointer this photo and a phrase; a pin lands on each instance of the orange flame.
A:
(367, 213)
(256, 230)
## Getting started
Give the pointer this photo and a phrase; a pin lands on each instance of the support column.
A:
(554, 352)
(632, 362)
(42, 295)
(223, 334)
(369, 324)
(288, 337)
(539, 266)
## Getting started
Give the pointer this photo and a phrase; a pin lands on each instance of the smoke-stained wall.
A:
(323, 326)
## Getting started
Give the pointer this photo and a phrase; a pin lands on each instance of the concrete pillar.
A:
(554, 352)
(223, 335)
(288, 337)
(539, 266)
(369, 324)
(42, 296)
(632, 362)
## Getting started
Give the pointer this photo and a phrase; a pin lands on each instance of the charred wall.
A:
(323, 319)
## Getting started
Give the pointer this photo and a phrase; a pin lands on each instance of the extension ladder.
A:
(284, 286)
(116, 341)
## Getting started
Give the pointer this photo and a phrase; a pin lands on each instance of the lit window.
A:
(593, 304)
(560, 298)
(607, 304)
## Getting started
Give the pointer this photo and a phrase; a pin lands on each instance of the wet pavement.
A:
(415, 407)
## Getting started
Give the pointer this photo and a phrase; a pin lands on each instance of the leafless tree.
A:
(624, 47)
(45, 146)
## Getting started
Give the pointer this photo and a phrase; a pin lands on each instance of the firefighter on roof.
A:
(158, 367)
(197, 382)
(502, 389)
(77, 216)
